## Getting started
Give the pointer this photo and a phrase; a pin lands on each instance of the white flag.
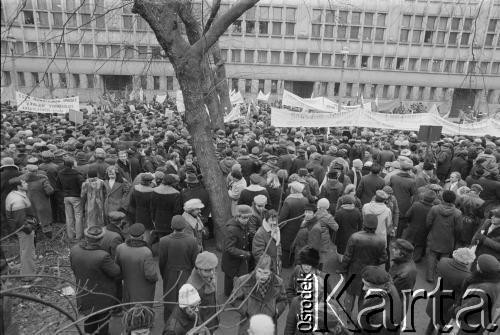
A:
(236, 98)
(160, 98)
(263, 97)
(179, 101)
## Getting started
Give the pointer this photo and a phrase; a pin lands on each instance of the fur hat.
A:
(488, 264)
(323, 203)
(375, 275)
(188, 296)
(206, 261)
(136, 230)
(94, 232)
(309, 256)
(464, 255)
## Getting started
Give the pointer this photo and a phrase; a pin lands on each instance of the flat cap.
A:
(116, 216)
(137, 229)
(370, 221)
(375, 275)
(381, 195)
(178, 222)
(404, 245)
(206, 261)
(94, 232)
(244, 210)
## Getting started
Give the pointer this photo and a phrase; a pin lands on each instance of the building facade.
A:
(435, 52)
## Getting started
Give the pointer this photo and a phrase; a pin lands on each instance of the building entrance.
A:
(463, 100)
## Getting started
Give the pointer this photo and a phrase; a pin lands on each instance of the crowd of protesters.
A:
(361, 202)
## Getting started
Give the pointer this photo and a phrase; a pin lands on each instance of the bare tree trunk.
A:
(221, 80)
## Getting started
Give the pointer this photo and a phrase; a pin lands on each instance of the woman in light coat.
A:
(236, 185)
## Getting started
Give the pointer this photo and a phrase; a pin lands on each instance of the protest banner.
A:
(234, 115)
(179, 101)
(236, 98)
(26, 103)
(161, 98)
(263, 97)
(75, 116)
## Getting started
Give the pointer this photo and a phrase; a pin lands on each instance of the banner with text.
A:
(26, 103)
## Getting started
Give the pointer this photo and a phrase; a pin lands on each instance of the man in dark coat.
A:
(99, 166)
(404, 187)
(96, 275)
(416, 232)
(128, 168)
(196, 190)
(8, 171)
(299, 162)
(453, 272)
(285, 161)
(254, 189)
(370, 184)
(363, 248)
(444, 161)
(177, 256)
(403, 269)
(332, 190)
(488, 236)
(56, 199)
(237, 248)
(443, 223)
(185, 315)
(138, 268)
(113, 235)
(460, 164)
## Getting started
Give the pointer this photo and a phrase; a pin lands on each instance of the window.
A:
(101, 51)
(415, 37)
(323, 89)
(364, 61)
(34, 78)
(379, 34)
(223, 55)
(88, 50)
(495, 68)
(336, 89)
(492, 25)
(129, 52)
(351, 60)
(418, 21)
(70, 5)
(63, 83)
(60, 50)
(250, 14)
(348, 89)
(74, 50)
(290, 14)
(424, 65)
(20, 79)
(443, 23)
(41, 4)
(301, 58)
(5, 48)
(406, 21)
(57, 20)
(236, 56)
(170, 83)
(18, 48)
(361, 90)
(264, 13)
(56, 5)
(287, 57)
(455, 23)
(467, 24)
(313, 59)
(489, 40)
(465, 39)
(441, 35)
(274, 86)
(249, 56)
(90, 81)
(460, 67)
(326, 59)
(408, 92)
(354, 34)
(431, 22)
(400, 63)
(412, 64)
(483, 68)
(432, 93)
(43, 19)
(397, 90)
(421, 93)
(142, 24)
(156, 82)
(250, 27)
(316, 30)
(436, 65)
(236, 27)
(248, 85)
(234, 84)
(448, 64)
(385, 91)
(100, 23)
(381, 19)
(369, 19)
(275, 57)
(403, 36)
(128, 24)
(341, 32)
(343, 17)
(261, 85)
(355, 18)
(277, 13)
(373, 91)
(87, 21)
(388, 63)
(262, 56)
(472, 67)
(71, 19)
(328, 31)
(263, 28)
(28, 17)
(428, 36)
(376, 62)
(316, 16)
(115, 51)
(32, 49)
(76, 80)
(452, 39)
(289, 29)
(276, 28)
(329, 16)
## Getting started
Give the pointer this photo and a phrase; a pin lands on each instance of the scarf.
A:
(275, 234)
(355, 174)
(263, 288)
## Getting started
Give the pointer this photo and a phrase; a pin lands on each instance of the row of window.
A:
(359, 61)
(75, 80)
(84, 6)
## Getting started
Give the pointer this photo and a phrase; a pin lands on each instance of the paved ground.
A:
(230, 319)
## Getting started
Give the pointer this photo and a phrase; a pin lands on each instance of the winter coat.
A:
(70, 181)
(250, 192)
(305, 238)
(130, 169)
(403, 272)
(237, 186)
(293, 206)
(116, 197)
(452, 274)
(459, 164)
(111, 239)
(285, 162)
(363, 248)
(18, 208)
(490, 193)
(208, 295)
(178, 323)
(332, 190)
(248, 166)
(444, 222)
(352, 173)
(384, 217)
(367, 187)
(489, 242)
(259, 243)
(39, 192)
(404, 187)
(273, 304)
(138, 271)
(165, 204)
(443, 164)
(226, 164)
(236, 249)
(197, 191)
(94, 268)
(177, 256)
(385, 156)
(93, 196)
(98, 169)
(276, 196)
(323, 231)
(417, 230)
(50, 170)
(140, 205)
(318, 172)
(349, 219)
(7, 174)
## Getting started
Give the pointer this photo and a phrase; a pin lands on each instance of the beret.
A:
(387, 189)
(375, 275)
(206, 261)
(178, 222)
(488, 264)
(404, 245)
(136, 230)
(381, 195)
(94, 232)
(244, 210)
(260, 199)
(429, 196)
(256, 179)
(116, 216)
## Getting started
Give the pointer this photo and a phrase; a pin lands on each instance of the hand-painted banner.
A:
(26, 103)
(160, 98)
(234, 115)
(362, 117)
(263, 97)
(318, 104)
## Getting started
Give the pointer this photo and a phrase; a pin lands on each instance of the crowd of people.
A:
(364, 203)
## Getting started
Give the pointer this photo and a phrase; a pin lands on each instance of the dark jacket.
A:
(293, 207)
(236, 249)
(117, 197)
(94, 268)
(367, 187)
(179, 323)
(130, 169)
(50, 169)
(444, 222)
(443, 164)
(332, 190)
(98, 169)
(459, 164)
(39, 192)
(197, 191)
(70, 181)
(404, 274)
(165, 203)
(140, 205)
(350, 221)
(489, 242)
(417, 230)
(405, 188)
(111, 239)
(208, 296)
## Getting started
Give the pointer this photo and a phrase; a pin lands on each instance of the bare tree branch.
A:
(213, 15)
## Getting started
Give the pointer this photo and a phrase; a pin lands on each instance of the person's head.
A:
(146, 179)
(189, 160)
(69, 162)
(357, 164)
(323, 204)
(370, 222)
(271, 217)
(401, 248)
(488, 265)
(374, 277)
(111, 172)
(375, 169)
(244, 212)
(94, 234)
(350, 189)
(138, 320)
(296, 187)
(476, 189)
(308, 259)
(116, 218)
(455, 177)
(136, 231)
(189, 300)
(464, 256)
(123, 155)
(309, 211)
(169, 180)
(236, 175)
(263, 270)
(495, 216)
(260, 202)
(193, 206)
(428, 167)
(206, 265)
(261, 324)
(178, 223)
(174, 157)
(19, 184)
(449, 196)
(381, 196)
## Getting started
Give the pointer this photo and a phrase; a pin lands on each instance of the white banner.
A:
(76, 116)
(26, 103)
(319, 104)
(160, 98)
(263, 97)
(236, 98)
(179, 101)
(362, 117)
(234, 115)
